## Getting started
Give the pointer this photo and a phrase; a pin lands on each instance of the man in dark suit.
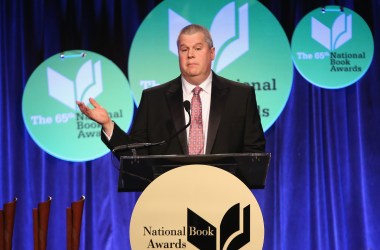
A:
(228, 120)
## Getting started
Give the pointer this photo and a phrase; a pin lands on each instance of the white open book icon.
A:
(88, 83)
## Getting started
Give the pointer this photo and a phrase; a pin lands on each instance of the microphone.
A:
(186, 105)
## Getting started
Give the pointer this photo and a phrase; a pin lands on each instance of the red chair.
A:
(40, 224)
(73, 224)
(7, 219)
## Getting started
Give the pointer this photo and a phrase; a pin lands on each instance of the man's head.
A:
(196, 53)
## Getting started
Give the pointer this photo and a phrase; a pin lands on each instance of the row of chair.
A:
(40, 224)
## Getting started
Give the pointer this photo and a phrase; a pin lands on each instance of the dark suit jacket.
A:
(234, 122)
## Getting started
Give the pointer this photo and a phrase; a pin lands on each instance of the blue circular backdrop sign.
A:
(49, 108)
(332, 47)
(251, 47)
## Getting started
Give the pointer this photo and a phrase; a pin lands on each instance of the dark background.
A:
(323, 182)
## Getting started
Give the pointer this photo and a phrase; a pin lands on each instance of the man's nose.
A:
(191, 53)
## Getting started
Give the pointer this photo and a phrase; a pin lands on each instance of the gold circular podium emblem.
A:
(197, 207)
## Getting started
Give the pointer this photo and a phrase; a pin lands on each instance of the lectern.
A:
(137, 172)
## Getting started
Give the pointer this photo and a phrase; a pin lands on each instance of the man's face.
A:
(195, 57)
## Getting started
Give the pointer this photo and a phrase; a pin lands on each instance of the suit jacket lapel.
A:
(218, 97)
(174, 98)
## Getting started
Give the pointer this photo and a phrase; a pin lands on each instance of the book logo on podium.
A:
(190, 207)
(203, 234)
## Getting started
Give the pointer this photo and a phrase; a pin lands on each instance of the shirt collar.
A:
(205, 85)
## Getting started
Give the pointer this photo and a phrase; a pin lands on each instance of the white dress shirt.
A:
(205, 95)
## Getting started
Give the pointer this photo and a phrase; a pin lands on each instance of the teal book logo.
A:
(49, 108)
(332, 47)
(250, 47)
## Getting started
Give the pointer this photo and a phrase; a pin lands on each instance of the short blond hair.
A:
(195, 28)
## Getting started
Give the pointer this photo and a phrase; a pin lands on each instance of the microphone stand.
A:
(134, 146)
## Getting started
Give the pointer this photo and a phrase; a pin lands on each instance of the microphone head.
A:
(186, 105)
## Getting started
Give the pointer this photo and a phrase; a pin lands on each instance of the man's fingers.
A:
(84, 109)
(81, 105)
(94, 103)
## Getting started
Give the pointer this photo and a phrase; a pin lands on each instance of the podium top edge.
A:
(263, 155)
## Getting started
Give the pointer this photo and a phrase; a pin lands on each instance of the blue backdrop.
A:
(324, 174)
